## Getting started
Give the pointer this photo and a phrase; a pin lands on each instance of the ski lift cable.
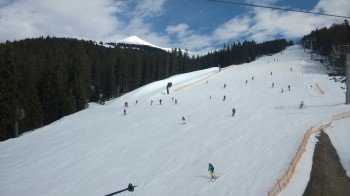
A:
(278, 8)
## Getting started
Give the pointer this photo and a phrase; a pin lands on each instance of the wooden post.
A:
(279, 186)
(347, 79)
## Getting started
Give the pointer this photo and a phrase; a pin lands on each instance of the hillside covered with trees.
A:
(324, 39)
(53, 77)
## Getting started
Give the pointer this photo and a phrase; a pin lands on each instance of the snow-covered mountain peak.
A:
(138, 41)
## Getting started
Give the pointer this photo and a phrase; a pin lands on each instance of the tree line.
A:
(324, 39)
(53, 77)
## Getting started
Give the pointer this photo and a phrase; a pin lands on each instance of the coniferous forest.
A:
(324, 39)
(53, 77)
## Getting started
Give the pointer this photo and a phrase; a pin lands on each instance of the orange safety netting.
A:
(283, 181)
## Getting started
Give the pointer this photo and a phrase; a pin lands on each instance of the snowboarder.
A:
(211, 170)
(160, 101)
(124, 112)
(273, 84)
(224, 98)
(175, 101)
(183, 120)
(233, 111)
(301, 105)
(224, 85)
(125, 104)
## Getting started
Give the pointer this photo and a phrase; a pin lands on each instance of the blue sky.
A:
(198, 25)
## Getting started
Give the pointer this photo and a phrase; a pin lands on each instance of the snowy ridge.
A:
(99, 150)
(137, 41)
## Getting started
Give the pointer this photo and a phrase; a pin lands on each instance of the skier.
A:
(246, 81)
(224, 98)
(253, 78)
(281, 90)
(125, 104)
(211, 170)
(233, 111)
(288, 88)
(151, 102)
(160, 101)
(124, 112)
(206, 82)
(273, 84)
(290, 69)
(301, 105)
(175, 101)
(271, 73)
(136, 102)
(183, 120)
(209, 96)
(224, 85)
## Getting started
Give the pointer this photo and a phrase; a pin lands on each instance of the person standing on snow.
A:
(124, 112)
(224, 98)
(233, 111)
(301, 105)
(211, 170)
(160, 101)
(224, 85)
(183, 120)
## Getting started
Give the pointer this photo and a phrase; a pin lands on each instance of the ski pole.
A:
(130, 188)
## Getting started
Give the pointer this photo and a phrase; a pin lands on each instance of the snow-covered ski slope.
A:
(99, 150)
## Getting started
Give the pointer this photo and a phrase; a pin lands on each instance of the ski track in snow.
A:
(99, 150)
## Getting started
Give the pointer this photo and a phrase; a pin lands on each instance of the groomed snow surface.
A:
(99, 150)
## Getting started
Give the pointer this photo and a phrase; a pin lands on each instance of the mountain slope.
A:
(98, 150)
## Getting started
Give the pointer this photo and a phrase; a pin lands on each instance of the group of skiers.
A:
(136, 102)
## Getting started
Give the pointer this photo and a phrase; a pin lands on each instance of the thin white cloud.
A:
(232, 28)
(180, 30)
(150, 7)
